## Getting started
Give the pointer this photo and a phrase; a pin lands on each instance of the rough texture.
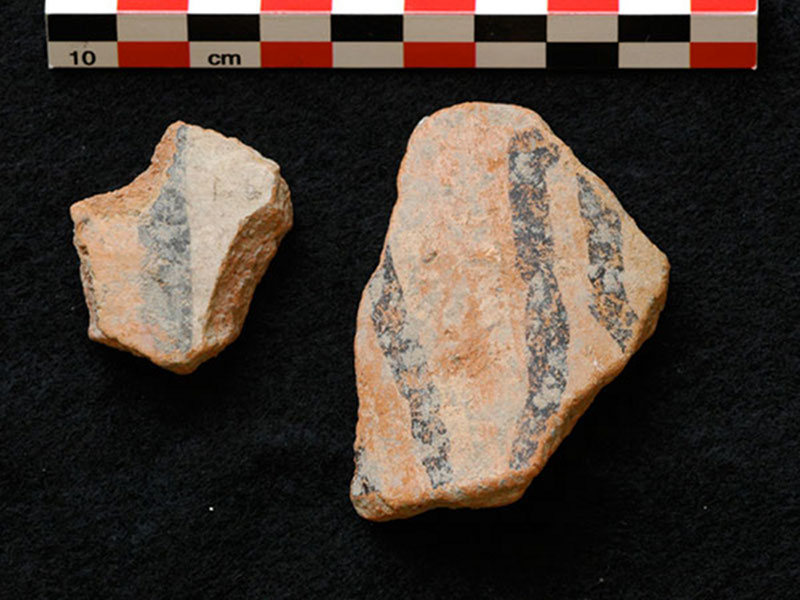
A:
(169, 263)
(512, 287)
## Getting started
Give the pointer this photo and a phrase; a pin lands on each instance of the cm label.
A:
(218, 59)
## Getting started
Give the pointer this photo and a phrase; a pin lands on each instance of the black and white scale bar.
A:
(553, 41)
(387, 28)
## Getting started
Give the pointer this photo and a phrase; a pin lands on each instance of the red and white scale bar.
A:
(403, 33)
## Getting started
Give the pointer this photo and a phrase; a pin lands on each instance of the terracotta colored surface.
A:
(169, 263)
(512, 287)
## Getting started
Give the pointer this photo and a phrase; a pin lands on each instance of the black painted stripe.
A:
(582, 55)
(406, 358)
(510, 28)
(166, 282)
(546, 323)
(82, 28)
(654, 28)
(361, 485)
(609, 305)
(223, 28)
(367, 28)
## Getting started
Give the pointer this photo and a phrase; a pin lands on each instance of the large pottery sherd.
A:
(512, 287)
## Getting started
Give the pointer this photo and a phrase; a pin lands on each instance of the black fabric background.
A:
(681, 481)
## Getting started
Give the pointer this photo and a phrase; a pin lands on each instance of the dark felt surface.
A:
(681, 481)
